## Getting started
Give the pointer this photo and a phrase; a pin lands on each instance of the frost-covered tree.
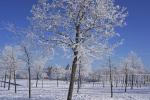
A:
(83, 69)
(132, 65)
(43, 76)
(67, 73)
(27, 58)
(58, 73)
(11, 62)
(49, 71)
(80, 26)
(3, 70)
(38, 67)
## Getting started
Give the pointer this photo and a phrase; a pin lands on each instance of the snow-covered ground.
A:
(50, 91)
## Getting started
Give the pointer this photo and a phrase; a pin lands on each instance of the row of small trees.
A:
(17, 61)
(129, 72)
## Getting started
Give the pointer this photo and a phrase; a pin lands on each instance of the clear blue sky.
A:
(136, 34)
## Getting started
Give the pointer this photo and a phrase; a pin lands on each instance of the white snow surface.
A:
(50, 91)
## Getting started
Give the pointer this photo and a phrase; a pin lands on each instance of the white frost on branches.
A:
(133, 64)
(58, 22)
(39, 64)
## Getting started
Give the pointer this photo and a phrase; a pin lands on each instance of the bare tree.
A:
(110, 74)
(27, 59)
(126, 77)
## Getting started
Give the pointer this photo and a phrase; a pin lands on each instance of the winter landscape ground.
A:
(50, 91)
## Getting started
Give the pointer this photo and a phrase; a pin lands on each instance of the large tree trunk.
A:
(74, 64)
(79, 80)
(15, 81)
(78, 86)
(73, 72)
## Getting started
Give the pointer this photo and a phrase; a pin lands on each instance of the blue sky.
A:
(136, 34)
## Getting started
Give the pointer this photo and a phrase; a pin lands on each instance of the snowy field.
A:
(50, 91)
